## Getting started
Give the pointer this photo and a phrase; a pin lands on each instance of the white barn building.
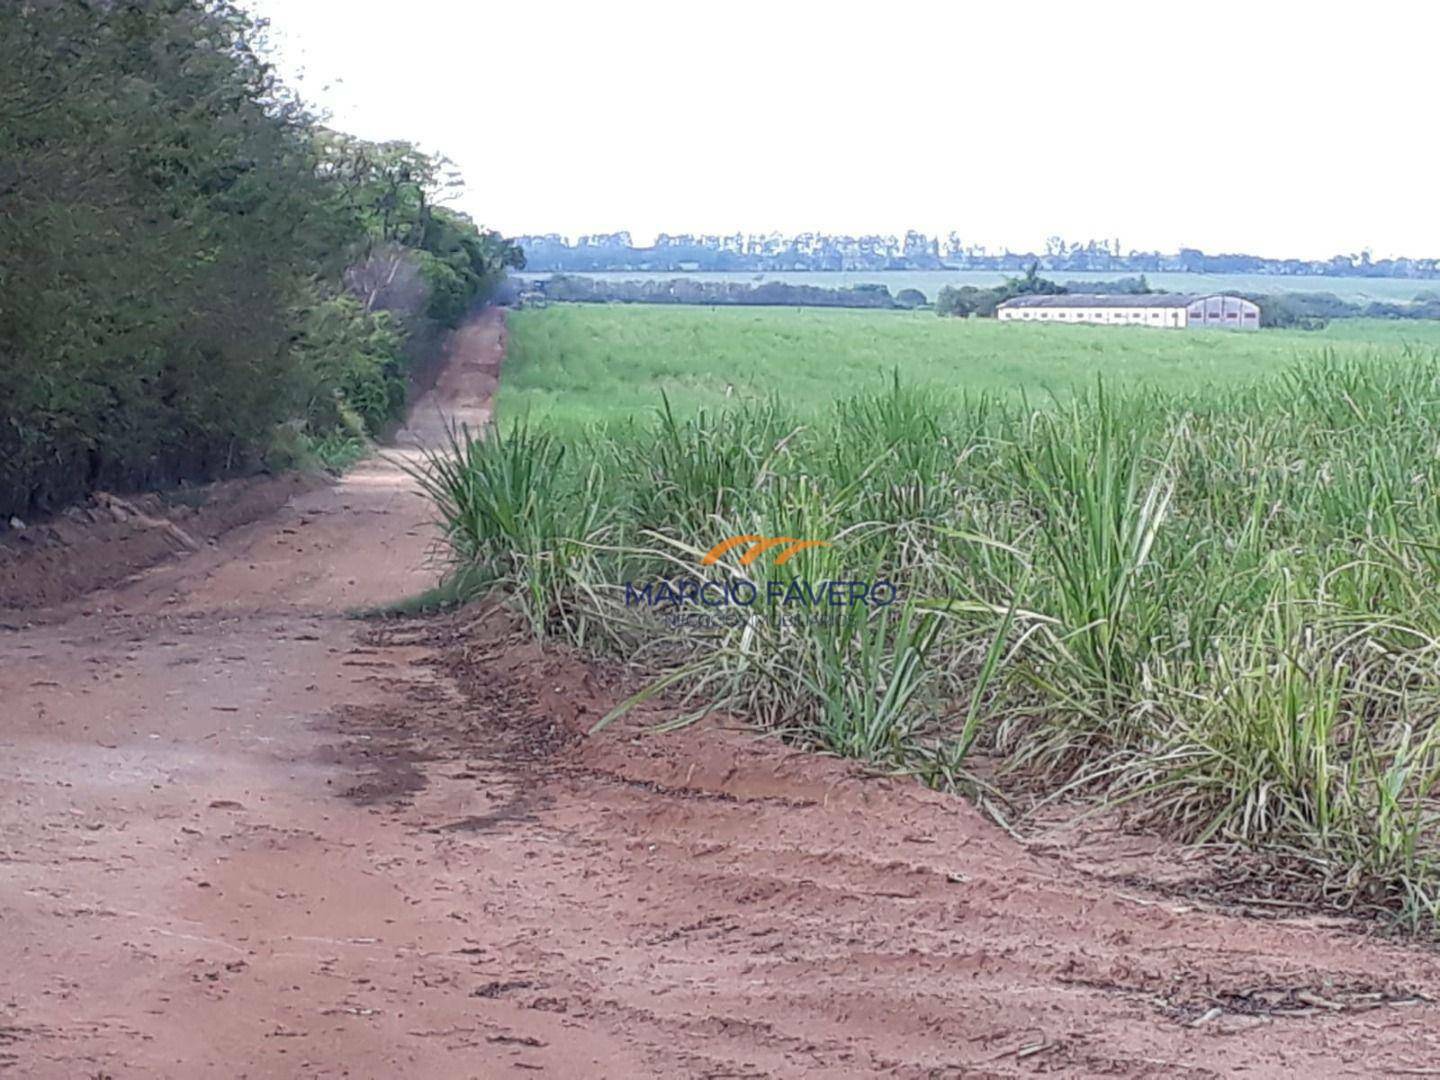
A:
(1168, 310)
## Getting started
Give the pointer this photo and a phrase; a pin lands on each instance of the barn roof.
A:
(1127, 300)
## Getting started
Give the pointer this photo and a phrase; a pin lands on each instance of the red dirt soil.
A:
(244, 835)
(97, 546)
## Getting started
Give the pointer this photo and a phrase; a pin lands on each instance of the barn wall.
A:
(1228, 312)
(1166, 318)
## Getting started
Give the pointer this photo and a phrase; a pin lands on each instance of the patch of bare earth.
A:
(242, 835)
(101, 544)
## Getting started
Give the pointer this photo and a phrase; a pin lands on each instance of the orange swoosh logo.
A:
(757, 545)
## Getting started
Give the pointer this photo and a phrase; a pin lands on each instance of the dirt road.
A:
(243, 835)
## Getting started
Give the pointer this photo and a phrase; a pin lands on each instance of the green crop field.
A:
(582, 363)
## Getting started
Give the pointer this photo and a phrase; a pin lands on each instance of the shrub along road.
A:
(244, 835)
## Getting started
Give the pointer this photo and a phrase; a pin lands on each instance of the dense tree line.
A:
(772, 252)
(691, 291)
(189, 263)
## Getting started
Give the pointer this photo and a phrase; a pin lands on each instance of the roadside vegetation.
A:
(1213, 608)
(198, 277)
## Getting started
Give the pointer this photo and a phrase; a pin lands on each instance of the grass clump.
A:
(1215, 608)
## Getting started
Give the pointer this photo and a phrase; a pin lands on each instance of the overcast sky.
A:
(1273, 128)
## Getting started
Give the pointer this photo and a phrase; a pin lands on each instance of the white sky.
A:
(1283, 129)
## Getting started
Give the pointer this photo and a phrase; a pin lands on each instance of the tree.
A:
(174, 235)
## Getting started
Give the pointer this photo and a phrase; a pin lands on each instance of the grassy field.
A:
(929, 282)
(1206, 594)
(583, 363)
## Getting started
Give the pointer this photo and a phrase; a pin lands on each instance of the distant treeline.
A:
(692, 291)
(772, 252)
(1312, 311)
(196, 276)
(1303, 311)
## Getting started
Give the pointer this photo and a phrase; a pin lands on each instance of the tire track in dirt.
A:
(243, 835)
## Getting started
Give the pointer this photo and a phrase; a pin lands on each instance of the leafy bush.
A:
(972, 300)
(348, 361)
(1126, 286)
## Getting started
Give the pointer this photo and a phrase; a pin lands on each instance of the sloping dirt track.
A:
(244, 835)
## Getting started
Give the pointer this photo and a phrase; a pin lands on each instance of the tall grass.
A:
(1218, 609)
